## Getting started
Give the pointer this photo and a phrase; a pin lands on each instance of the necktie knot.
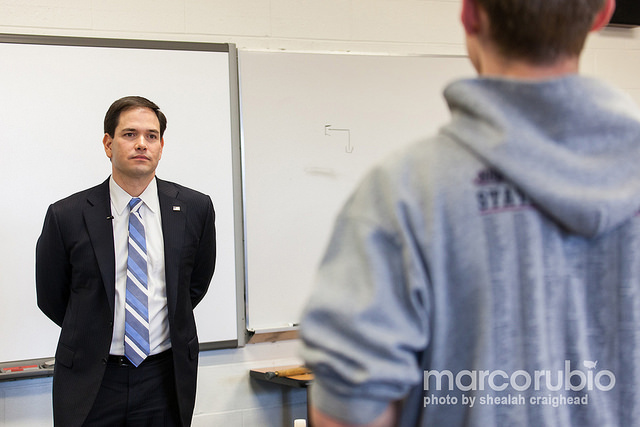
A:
(135, 204)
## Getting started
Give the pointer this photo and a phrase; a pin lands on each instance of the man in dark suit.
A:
(120, 362)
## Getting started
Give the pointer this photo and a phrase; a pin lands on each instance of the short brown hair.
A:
(540, 31)
(112, 117)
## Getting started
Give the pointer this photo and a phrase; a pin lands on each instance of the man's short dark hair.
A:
(540, 31)
(112, 117)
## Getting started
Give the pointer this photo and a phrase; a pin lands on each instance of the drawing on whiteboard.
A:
(348, 148)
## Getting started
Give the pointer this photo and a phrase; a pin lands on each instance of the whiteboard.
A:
(54, 94)
(312, 125)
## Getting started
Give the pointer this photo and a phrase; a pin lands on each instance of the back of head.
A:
(540, 31)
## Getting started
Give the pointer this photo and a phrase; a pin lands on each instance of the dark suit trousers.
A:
(137, 397)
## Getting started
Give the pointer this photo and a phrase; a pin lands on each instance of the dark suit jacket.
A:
(75, 282)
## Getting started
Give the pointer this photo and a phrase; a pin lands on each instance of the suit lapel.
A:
(97, 216)
(173, 213)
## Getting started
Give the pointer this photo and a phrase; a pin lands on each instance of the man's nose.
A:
(141, 143)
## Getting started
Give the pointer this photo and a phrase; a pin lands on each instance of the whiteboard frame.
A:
(237, 175)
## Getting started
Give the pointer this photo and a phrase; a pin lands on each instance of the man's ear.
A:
(470, 16)
(106, 141)
(604, 16)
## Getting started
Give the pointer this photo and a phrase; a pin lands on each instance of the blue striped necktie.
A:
(136, 337)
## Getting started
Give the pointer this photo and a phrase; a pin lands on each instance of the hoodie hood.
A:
(572, 145)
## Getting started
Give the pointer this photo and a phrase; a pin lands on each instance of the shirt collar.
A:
(120, 198)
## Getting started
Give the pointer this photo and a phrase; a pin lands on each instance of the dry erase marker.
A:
(48, 364)
(21, 368)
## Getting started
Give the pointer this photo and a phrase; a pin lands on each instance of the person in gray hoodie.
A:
(490, 275)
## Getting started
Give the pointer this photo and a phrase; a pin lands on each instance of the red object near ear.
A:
(604, 16)
(470, 16)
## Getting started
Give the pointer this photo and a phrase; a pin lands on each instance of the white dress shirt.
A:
(159, 340)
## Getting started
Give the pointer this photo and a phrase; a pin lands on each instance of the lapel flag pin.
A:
(176, 208)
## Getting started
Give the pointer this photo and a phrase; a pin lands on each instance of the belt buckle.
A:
(123, 361)
(119, 361)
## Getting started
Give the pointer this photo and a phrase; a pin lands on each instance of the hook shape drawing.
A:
(349, 147)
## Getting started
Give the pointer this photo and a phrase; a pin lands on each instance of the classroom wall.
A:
(226, 396)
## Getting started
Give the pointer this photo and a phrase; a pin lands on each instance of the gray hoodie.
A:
(490, 275)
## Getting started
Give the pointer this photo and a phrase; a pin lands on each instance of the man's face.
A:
(136, 147)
